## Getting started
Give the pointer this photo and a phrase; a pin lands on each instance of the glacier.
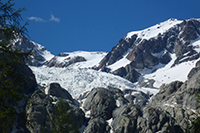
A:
(79, 80)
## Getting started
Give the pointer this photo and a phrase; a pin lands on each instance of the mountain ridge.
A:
(135, 56)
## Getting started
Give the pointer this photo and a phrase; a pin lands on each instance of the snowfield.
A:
(166, 74)
(92, 59)
(78, 81)
(154, 30)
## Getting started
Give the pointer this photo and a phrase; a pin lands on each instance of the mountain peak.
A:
(155, 30)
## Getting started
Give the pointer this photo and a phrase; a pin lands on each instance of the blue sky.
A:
(97, 25)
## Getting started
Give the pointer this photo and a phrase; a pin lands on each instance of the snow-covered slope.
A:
(77, 59)
(166, 74)
(93, 59)
(41, 50)
(78, 81)
(40, 55)
(155, 30)
(151, 32)
(164, 52)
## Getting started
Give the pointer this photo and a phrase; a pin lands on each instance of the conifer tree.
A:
(10, 59)
(61, 121)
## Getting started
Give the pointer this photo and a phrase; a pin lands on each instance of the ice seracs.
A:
(79, 80)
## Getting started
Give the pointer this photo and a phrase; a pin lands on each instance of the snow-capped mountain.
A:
(168, 46)
(41, 56)
(151, 57)
(146, 83)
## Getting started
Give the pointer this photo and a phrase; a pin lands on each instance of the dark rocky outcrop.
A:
(125, 119)
(132, 76)
(37, 58)
(66, 62)
(30, 81)
(97, 125)
(27, 85)
(156, 120)
(117, 52)
(54, 89)
(179, 100)
(128, 73)
(101, 102)
(40, 107)
(121, 72)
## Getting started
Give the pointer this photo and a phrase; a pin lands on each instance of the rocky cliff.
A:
(153, 46)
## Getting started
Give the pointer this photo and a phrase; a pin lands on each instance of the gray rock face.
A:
(179, 100)
(139, 98)
(54, 89)
(121, 72)
(40, 108)
(133, 75)
(101, 102)
(156, 120)
(125, 119)
(97, 125)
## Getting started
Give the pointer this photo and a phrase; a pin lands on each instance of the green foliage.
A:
(10, 59)
(61, 121)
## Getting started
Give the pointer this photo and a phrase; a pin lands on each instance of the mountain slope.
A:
(40, 55)
(77, 59)
(150, 57)
(171, 42)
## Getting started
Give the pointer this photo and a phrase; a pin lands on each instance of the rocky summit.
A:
(147, 83)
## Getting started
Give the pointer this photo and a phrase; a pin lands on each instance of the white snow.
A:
(88, 113)
(154, 30)
(77, 81)
(120, 63)
(167, 74)
(93, 58)
(43, 52)
(117, 103)
(196, 44)
(109, 123)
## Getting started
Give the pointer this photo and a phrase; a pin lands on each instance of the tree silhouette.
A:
(10, 60)
(61, 121)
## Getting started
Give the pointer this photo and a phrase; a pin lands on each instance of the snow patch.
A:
(167, 74)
